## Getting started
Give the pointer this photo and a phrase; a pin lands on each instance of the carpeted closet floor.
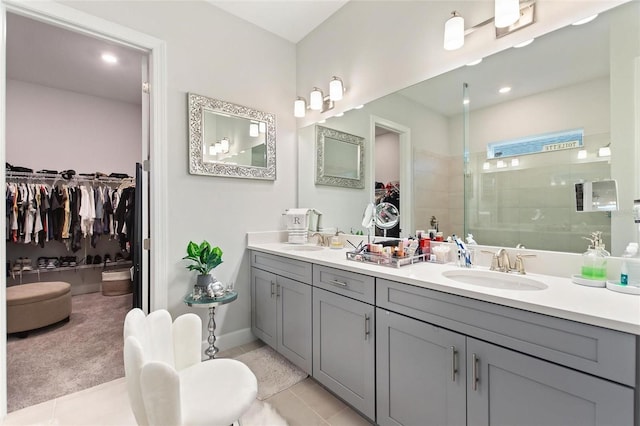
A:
(67, 357)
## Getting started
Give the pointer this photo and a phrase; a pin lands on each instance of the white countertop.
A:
(562, 298)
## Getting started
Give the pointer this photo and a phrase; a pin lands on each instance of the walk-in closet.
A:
(74, 134)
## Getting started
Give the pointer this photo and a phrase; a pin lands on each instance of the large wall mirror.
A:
(578, 77)
(339, 158)
(230, 140)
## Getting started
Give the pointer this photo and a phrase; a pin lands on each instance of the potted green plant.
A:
(203, 259)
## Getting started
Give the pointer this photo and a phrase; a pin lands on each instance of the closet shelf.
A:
(28, 176)
(106, 266)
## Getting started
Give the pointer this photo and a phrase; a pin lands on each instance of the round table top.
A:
(205, 301)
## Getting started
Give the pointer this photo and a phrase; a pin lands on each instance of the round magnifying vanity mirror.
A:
(387, 216)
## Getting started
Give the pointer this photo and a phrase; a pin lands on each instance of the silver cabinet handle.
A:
(338, 283)
(474, 372)
(277, 290)
(454, 368)
(366, 326)
(272, 289)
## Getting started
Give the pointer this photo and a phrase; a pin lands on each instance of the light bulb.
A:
(262, 126)
(454, 32)
(299, 107)
(507, 12)
(224, 144)
(316, 99)
(254, 130)
(582, 154)
(336, 89)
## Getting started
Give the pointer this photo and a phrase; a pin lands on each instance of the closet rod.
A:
(78, 179)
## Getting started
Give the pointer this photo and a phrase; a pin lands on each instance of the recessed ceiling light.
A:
(486, 165)
(465, 102)
(109, 58)
(582, 154)
(523, 44)
(476, 62)
(501, 164)
(586, 20)
(505, 89)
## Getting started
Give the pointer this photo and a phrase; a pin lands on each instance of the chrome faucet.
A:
(501, 261)
(323, 240)
(504, 264)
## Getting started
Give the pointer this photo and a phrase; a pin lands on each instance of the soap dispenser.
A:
(594, 260)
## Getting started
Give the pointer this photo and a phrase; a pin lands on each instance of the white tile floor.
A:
(304, 404)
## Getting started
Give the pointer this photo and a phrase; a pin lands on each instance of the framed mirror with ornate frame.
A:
(339, 158)
(230, 140)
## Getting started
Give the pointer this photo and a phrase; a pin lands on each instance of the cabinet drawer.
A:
(290, 268)
(599, 351)
(350, 284)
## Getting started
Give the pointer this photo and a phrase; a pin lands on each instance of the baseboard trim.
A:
(231, 340)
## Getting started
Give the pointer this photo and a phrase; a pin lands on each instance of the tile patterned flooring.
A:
(304, 404)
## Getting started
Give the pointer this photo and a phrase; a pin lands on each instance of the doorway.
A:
(391, 165)
(154, 262)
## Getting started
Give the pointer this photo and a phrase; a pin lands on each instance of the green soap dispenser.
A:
(594, 260)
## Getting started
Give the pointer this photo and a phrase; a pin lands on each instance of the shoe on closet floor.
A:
(89, 260)
(97, 259)
(107, 258)
(118, 257)
(73, 261)
(64, 262)
(42, 262)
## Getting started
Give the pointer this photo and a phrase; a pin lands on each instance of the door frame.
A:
(406, 169)
(77, 21)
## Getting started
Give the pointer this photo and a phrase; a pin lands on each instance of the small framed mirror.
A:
(230, 140)
(339, 158)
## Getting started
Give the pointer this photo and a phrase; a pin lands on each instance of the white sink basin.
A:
(303, 248)
(493, 279)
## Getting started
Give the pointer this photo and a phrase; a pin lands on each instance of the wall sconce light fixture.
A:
(318, 101)
(605, 151)
(509, 17)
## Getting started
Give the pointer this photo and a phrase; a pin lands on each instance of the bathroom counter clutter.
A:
(544, 294)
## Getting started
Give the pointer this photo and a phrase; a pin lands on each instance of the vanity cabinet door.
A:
(421, 375)
(344, 348)
(294, 322)
(263, 306)
(509, 388)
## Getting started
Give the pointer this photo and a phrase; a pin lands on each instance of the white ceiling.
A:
(43, 54)
(290, 19)
(47, 55)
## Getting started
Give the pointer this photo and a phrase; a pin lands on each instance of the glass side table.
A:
(211, 303)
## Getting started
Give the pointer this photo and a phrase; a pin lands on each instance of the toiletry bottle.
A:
(594, 260)
(630, 268)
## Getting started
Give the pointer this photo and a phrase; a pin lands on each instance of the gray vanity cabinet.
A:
(344, 348)
(421, 373)
(281, 308)
(509, 388)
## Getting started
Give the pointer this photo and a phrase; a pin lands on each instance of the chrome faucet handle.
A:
(519, 266)
(494, 260)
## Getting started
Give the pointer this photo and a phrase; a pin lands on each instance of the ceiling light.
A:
(336, 89)
(262, 126)
(299, 107)
(486, 165)
(523, 44)
(212, 149)
(507, 12)
(316, 99)
(465, 102)
(476, 62)
(340, 114)
(322, 121)
(605, 151)
(359, 107)
(254, 130)
(582, 154)
(224, 145)
(109, 58)
(505, 89)
(454, 32)
(515, 162)
(585, 20)
(501, 164)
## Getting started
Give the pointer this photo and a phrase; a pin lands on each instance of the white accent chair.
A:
(167, 381)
